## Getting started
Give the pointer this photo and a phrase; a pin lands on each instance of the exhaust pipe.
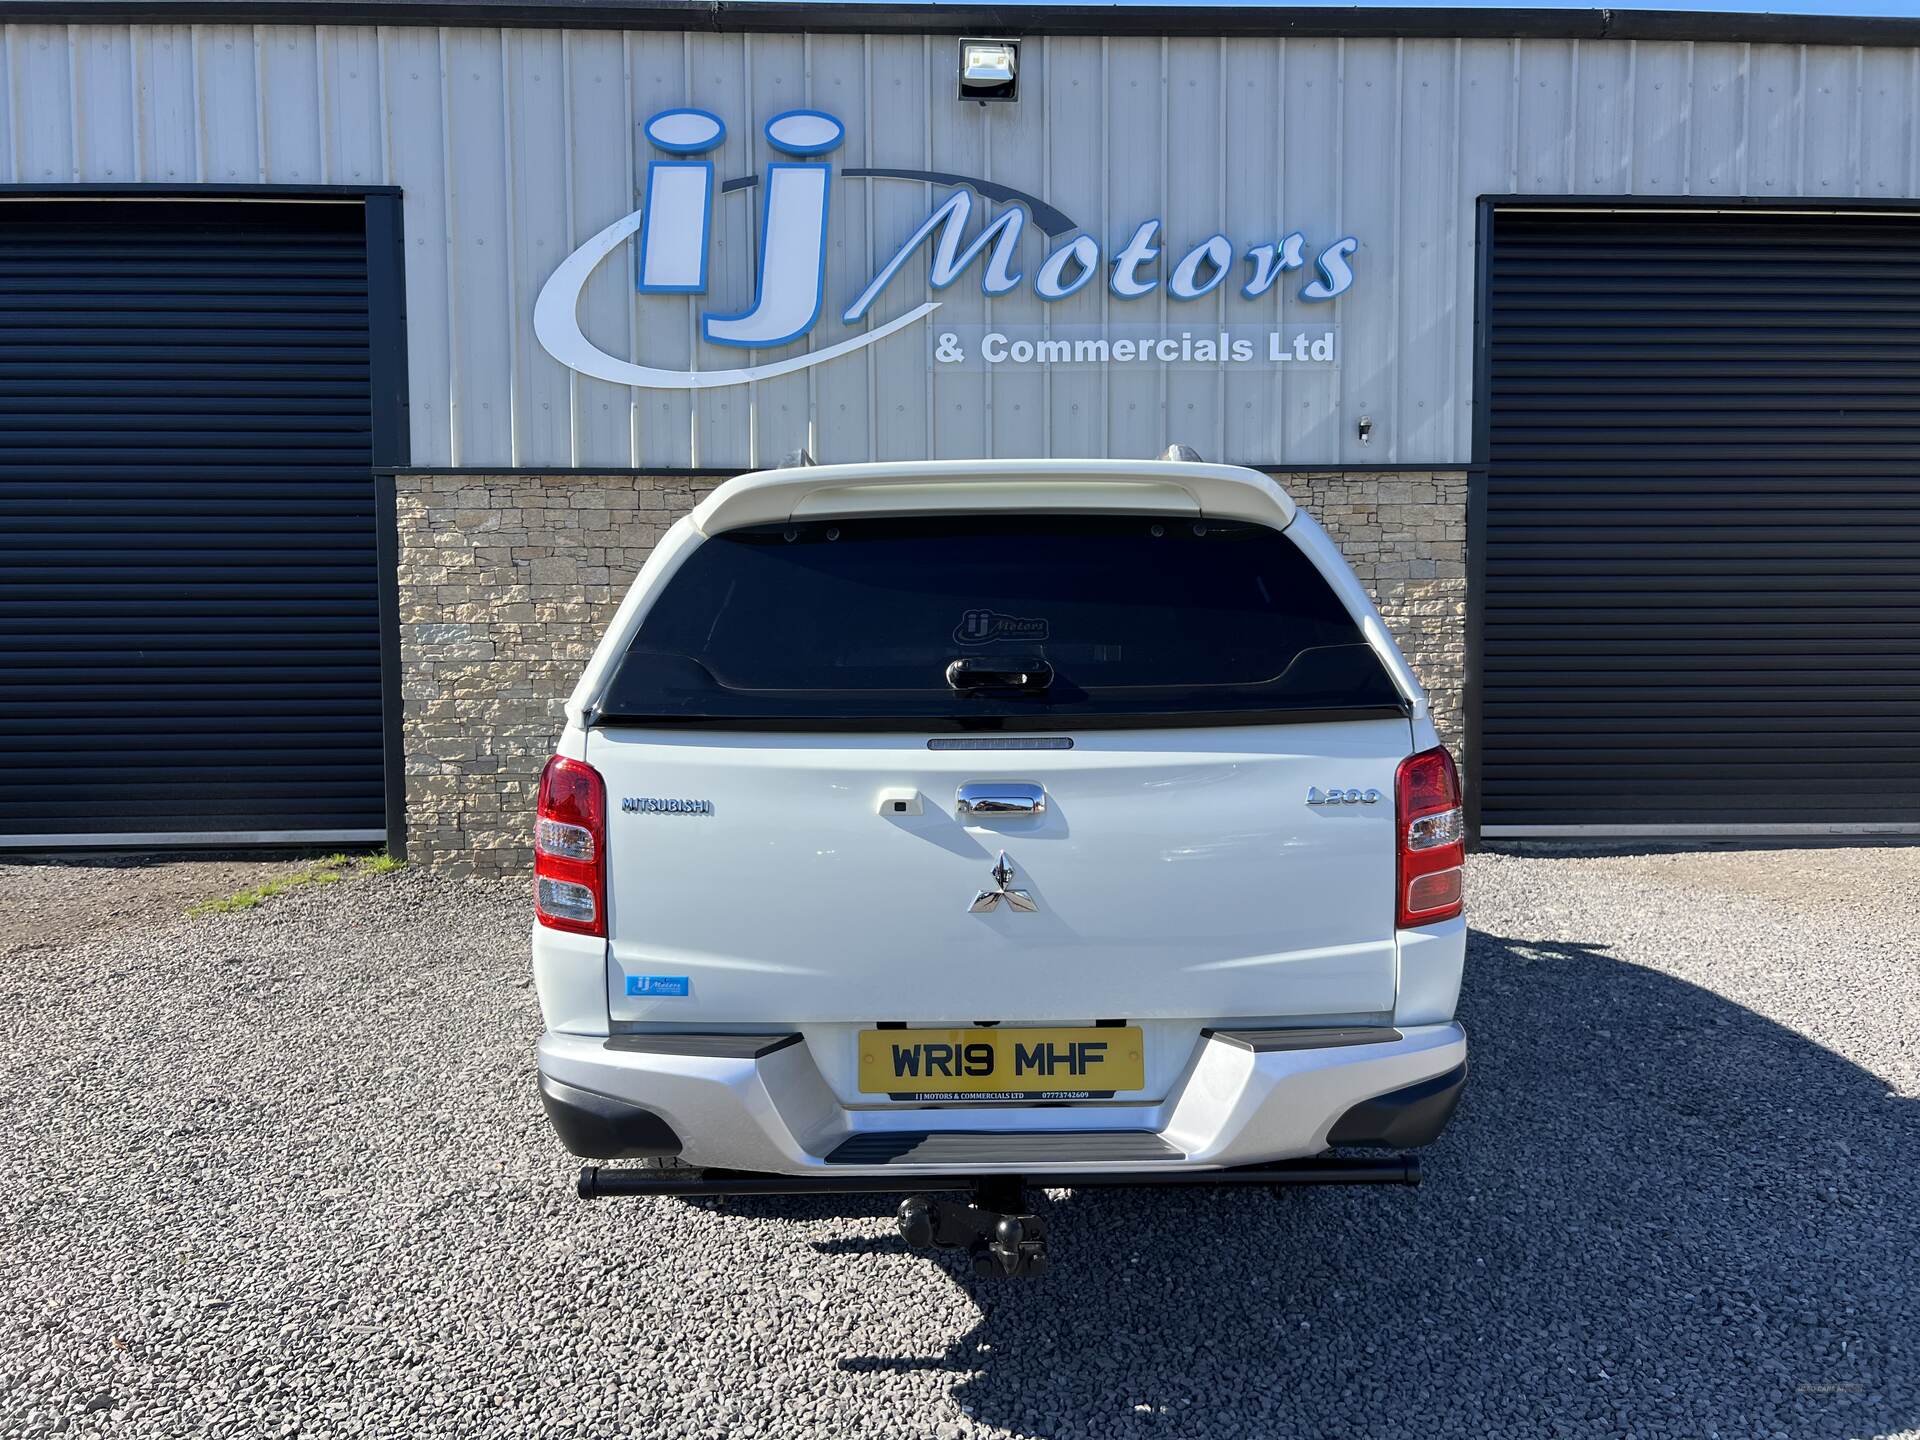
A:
(601, 1182)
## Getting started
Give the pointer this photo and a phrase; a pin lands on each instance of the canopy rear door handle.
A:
(1002, 797)
(1030, 674)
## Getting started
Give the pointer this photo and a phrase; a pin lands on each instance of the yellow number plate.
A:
(1001, 1064)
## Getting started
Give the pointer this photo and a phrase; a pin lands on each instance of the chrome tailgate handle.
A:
(1002, 797)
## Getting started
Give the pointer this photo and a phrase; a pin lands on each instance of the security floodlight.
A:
(989, 70)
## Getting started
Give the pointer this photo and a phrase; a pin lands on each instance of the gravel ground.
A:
(64, 902)
(270, 1174)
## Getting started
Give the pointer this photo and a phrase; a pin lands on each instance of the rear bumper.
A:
(759, 1103)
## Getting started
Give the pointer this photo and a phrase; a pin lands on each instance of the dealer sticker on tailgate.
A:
(1078, 1064)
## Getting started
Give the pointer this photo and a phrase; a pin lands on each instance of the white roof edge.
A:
(763, 497)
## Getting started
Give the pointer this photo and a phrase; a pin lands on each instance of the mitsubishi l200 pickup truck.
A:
(970, 825)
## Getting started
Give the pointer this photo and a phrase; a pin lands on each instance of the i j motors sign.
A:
(672, 230)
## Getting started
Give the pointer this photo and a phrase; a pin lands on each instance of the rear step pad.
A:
(1000, 1147)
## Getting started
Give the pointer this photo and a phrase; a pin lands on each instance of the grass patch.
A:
(328, 871)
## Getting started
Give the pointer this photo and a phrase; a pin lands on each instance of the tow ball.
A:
(994, 1227)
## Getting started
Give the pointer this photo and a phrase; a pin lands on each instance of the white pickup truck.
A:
(965, 824)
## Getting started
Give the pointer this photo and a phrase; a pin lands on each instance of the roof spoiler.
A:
(1177, 484)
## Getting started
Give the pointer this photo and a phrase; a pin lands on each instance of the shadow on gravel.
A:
(1656, 1213)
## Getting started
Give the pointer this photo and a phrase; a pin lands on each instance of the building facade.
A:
(353, 369)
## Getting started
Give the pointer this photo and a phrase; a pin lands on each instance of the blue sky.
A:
(1881, 8)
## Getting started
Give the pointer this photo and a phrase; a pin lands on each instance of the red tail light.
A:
(1432, 838)
(570, 848)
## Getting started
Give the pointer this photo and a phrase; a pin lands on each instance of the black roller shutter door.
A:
(189, 623)
(1700, 592)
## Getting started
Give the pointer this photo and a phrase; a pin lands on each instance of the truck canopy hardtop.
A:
(1169, 487)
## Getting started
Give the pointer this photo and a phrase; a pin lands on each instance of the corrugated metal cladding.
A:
(189, 627)
(1702, 582)
(515, 147)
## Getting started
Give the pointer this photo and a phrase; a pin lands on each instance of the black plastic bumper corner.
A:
(1403, 1119)
(598, 1127)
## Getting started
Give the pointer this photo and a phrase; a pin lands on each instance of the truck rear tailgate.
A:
(792, 877)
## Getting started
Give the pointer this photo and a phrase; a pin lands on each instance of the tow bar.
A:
(994, 1226)
(991, 1227)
